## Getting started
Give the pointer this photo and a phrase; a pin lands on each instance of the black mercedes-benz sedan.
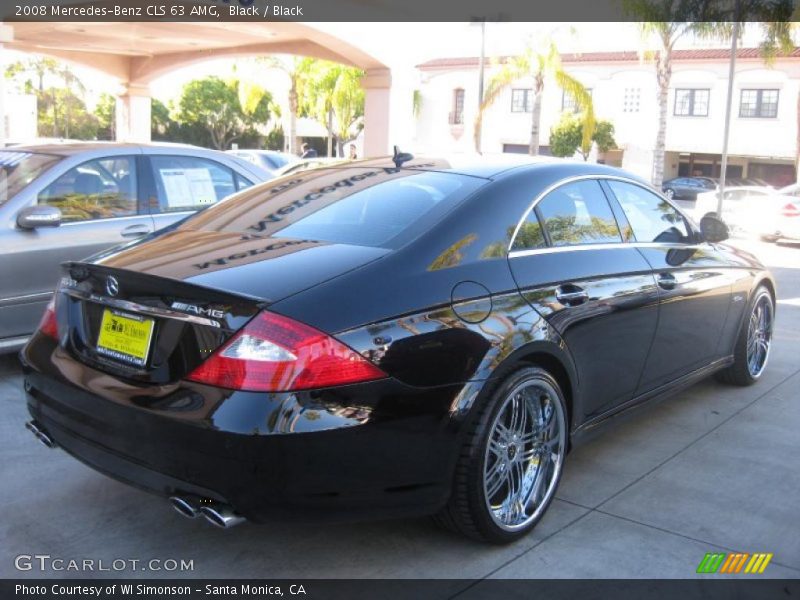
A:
(390, 337)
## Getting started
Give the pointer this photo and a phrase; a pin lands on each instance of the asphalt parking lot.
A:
(714, 469)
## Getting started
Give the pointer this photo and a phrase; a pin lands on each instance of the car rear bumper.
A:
(370, 451)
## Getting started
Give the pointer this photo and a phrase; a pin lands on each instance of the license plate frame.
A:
(125, 337)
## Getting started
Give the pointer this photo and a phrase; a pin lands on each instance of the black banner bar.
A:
(349, 589)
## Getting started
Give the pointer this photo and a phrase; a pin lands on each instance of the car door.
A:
(99, 205)
(180, 185)
(694, 285)
(571, 261)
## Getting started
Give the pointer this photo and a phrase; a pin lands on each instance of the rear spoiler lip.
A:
(214, 294)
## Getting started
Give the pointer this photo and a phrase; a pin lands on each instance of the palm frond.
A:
(583, 99)
(515, 69)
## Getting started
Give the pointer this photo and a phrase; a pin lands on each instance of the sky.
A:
(413, 43)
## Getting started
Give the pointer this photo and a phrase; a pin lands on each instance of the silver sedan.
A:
(62, 202)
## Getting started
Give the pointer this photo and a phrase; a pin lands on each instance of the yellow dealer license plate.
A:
(125, 337)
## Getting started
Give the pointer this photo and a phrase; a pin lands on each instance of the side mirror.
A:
(714, 229)
(37, 216)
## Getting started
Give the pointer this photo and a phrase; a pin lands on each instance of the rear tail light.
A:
(791, 210)
(49, 324)
(273, 353)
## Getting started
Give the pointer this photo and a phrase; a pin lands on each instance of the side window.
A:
(578, 213)
(103, 188)
(652, 218)
(530, 234)
(185, 183)
(242, 183)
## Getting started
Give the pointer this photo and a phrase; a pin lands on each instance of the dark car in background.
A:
(687, 188)
(386, 338)
(67, 201)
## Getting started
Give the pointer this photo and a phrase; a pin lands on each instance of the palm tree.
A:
(298, 70)
(348, 106)
(670, 20)
(335, 98)
(539, 64)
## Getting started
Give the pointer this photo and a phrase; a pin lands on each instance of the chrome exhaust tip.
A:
(222, 516)
(40, 434)
(184, 507)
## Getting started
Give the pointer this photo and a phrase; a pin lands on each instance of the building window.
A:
(759, 103)
(568, 101)
(521, 100)
(691, 103)
(630, 101)
(457, 114)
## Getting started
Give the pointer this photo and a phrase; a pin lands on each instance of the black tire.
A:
(739, 373)
(669, 193)
(467, 511)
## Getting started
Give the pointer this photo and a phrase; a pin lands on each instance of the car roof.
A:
(72, 147)
(485, 166)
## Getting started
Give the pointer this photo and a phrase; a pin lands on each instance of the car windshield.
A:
(276, 160)
(359, 206)
(18, 169)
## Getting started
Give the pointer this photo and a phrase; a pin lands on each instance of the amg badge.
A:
(199, 310)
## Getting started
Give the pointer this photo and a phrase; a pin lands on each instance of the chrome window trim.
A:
(605, 246)
(139, 308)
(572, 179)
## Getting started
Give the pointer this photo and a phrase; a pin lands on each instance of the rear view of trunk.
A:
(142, 327)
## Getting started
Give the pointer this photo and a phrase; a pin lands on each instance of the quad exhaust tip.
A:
(219, 515)
(185, 507)
(41, 434)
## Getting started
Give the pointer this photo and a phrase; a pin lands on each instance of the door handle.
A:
(135, 231)
(571, 295)
(667, 281)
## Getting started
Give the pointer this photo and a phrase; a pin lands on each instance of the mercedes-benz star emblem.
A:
(112, 286)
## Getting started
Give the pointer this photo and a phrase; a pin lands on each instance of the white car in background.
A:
(755, 210)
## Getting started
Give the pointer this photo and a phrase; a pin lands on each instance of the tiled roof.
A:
(622, 56)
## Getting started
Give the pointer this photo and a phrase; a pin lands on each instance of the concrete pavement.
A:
(714, 469)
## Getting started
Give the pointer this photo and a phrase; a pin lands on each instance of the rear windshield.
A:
(377, 207)
(18, 169)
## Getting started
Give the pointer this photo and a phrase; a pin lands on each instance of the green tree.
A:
(567, 137)
(537, 63)
(348, 106)
(61, 107)
(214, 104)
(334, 97)
(105, 111)
(670, 20)
(299, 72)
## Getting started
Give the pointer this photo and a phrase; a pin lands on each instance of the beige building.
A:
(764, 125)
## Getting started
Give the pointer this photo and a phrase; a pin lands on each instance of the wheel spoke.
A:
(495, 480)
(496, 448)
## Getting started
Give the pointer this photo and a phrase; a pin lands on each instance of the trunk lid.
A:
(153, 312)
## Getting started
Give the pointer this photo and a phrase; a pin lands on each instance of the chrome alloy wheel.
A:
(759, 335)
(524, 455)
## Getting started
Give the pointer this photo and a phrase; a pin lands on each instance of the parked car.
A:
(760, 211)
(66, 201)
(389, 338)
(305, 164)
(271, 161)
(687, 188)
